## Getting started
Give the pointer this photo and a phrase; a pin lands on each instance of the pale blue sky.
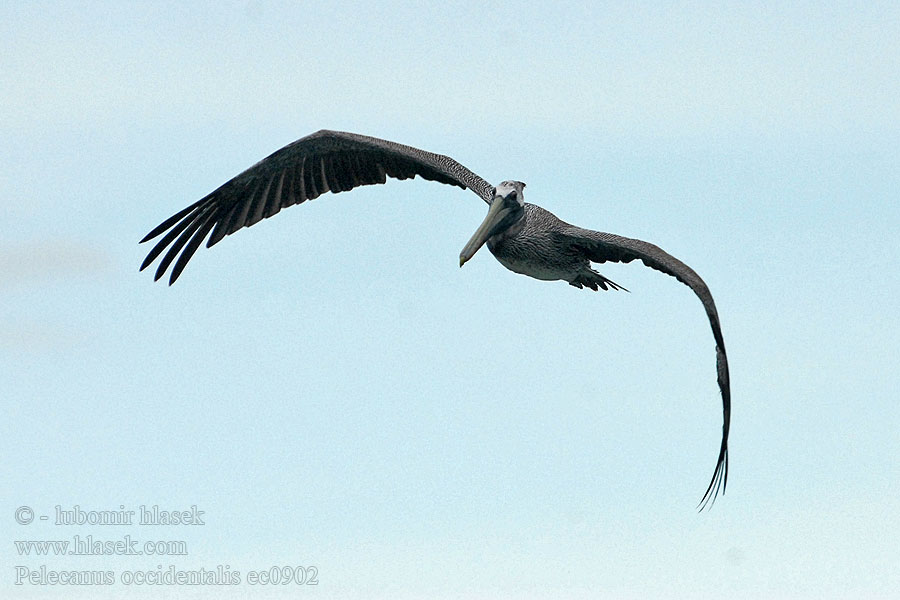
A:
(333, 390)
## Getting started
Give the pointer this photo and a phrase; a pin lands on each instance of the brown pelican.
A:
(525, 238)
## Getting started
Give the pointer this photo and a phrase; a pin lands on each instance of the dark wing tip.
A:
(146, 263)
(719, 479)
(170, 221)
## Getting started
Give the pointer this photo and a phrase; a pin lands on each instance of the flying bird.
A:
(525, 238)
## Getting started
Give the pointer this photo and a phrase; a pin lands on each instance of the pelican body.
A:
(532, 241)
(523, 237)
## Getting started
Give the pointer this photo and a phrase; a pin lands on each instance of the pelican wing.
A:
(602, 247)
(326, 161)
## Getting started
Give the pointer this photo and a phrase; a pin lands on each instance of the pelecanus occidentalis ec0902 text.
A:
(525, 238)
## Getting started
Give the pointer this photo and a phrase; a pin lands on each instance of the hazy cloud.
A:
(29, 337)
(49, 259)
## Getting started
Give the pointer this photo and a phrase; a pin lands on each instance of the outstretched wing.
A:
(602, 247)
(326, 161)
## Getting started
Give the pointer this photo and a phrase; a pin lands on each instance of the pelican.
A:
(525, 238)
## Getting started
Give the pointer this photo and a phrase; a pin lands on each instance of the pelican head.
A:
(507, 207)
